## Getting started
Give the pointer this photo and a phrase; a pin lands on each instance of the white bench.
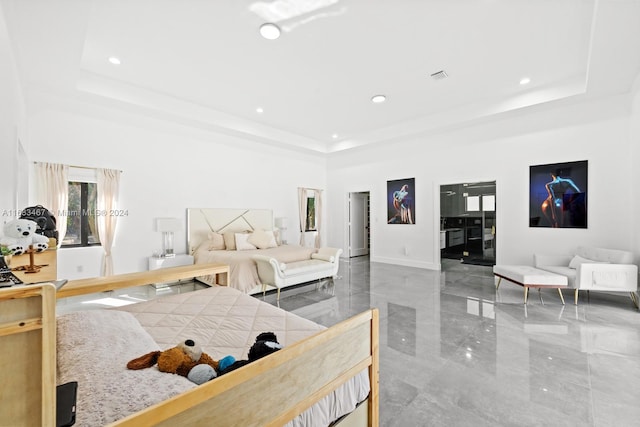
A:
(530, 277)
(321, 265)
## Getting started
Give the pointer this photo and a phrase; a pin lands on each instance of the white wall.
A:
(500, 150)
(166, 169)
(634, 136)
(12, 119)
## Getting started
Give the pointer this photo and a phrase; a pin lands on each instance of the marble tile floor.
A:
(456, 352)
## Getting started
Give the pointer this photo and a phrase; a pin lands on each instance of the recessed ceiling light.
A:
(259, 110)
(114, 60)
(334, 136)
(377, 99)
(269, 31)
(525, 81)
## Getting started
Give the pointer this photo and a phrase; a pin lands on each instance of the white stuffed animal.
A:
(20, 233)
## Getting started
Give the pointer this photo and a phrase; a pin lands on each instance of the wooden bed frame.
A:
(282, 385)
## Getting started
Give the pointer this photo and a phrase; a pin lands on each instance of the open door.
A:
(468, 222)
(358, 224)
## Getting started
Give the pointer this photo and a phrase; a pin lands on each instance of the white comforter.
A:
(243, 271)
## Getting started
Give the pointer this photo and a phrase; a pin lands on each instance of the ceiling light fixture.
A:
(270, 31)
(378, 99)
(334, 136)
(259, 110)
(114, 60)
(525, 81)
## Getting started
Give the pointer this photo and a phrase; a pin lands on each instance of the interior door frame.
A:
(347, 223)
(436, 214)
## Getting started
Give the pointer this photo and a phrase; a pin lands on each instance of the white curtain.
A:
(52, 189)
(318, 209)
(107, 204)
(302, 210)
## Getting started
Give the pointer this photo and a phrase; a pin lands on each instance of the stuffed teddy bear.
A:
(266, 343)
(186, 359)
(19, 234)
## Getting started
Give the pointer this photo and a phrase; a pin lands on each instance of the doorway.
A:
(359, 227)
(468, 222)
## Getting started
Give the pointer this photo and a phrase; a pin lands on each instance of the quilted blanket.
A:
(226, 322)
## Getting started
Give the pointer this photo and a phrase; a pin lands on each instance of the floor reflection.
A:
(454, 351)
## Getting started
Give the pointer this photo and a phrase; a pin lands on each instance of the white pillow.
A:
(263, 239)
(577, 260)
(242, 243)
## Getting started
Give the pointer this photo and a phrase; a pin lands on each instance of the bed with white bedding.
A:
(226, 322)
(243, 273)
(233, 237)
(222, 320)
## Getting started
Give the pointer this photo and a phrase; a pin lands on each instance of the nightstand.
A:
(175, 261)
(156, 263)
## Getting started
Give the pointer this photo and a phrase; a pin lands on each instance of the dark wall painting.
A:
(401, 201)
(558, 195)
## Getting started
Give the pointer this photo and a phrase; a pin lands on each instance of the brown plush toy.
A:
(177, 360)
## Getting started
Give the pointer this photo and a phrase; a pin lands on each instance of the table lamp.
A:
(167, 226)
(281, 224)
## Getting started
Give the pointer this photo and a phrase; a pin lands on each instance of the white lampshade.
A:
(281, 222)
(167, 224)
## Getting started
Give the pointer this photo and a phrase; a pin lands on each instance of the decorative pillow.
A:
(577, 260)
(262, 239)
(216, 241)
(230, 240)
(242, 242)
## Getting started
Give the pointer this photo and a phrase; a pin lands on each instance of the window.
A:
(489, 203)
(311, 214)
(82, 229)
(473, 203)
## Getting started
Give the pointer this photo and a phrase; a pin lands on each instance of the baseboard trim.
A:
(406, 262)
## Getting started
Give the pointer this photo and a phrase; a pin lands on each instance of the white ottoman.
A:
(530, 277)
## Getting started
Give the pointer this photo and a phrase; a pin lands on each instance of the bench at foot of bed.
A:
(321, 265)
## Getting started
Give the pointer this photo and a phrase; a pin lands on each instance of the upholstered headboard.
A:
(202, 221)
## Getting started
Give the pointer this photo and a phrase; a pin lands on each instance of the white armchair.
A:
(594, 269)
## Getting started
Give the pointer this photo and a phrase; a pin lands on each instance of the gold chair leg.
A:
(634, 298)
(498, 284)
(561, 297)
(576, 297)
(526, 294)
